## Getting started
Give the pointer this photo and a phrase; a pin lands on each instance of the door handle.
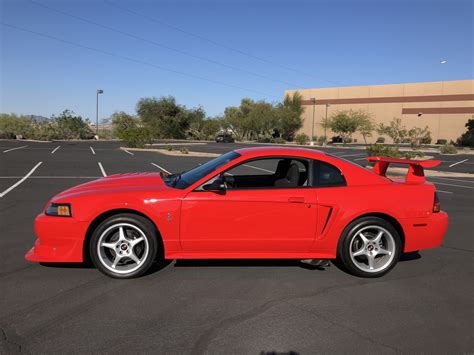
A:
(296, 199)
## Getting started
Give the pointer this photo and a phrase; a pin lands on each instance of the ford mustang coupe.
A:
(274, 202)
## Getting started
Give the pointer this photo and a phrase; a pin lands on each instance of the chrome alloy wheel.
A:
(372, 248)
(122, 248)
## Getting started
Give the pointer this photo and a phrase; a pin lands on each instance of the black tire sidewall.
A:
(345, 241)
(142, 223)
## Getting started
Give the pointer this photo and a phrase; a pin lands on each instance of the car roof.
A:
(272, 150)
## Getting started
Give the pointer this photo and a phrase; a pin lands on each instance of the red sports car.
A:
(248, 203)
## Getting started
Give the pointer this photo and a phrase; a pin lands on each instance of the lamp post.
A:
(313, 100)
(99, 91)
(325, 125)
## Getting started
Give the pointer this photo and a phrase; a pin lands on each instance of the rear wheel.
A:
(369, 247)
(124, 246)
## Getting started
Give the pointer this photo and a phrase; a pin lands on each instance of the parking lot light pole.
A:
(99, 91)
(325, 123)
(313, 100)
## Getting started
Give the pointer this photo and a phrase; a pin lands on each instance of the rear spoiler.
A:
(415, 174)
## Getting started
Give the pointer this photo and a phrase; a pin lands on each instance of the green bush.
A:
(137, 137)
(184, 150)
(448, 149)
(302, 139)
(380, 140)
(383, 151)
(391, 152)
(442, 141)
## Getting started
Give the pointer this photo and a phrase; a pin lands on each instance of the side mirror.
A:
(217, 185)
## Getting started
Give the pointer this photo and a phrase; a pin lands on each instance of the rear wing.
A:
(415, 174)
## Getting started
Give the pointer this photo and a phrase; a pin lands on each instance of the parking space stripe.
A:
(256, 167)
(444, 192)
(102, 169)
(21, 180)
(451, 179)
(454, 185)
(55, 149)
(126, 151)
(161, 168)
(92, 150)
(9, 150)
(459, 162)
(51, 177)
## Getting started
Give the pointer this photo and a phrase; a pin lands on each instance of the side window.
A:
(284, 172)
(327, 175)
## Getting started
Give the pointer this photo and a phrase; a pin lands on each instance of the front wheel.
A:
(124, 246)
(369, 247)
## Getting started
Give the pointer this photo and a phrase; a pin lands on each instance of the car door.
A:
(248, 218)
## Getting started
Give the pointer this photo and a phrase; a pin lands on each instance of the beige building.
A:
(443, 106)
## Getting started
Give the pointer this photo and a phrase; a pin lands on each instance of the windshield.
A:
(183, 180)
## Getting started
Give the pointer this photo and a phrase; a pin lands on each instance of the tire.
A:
(131, 237)
(369, 247)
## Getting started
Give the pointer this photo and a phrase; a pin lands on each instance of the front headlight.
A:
(59, 210)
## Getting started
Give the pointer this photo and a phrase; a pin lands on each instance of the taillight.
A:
(436, 204)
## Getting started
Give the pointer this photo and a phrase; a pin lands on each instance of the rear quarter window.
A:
(327, 175)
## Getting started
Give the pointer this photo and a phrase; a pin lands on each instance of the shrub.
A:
(265, 139)
(391, 152)
(137, 137)
(184, 150)
(380, 140)
(383, 151)
(442, 141)
(467, 138)
(302, 139)
(448, 149)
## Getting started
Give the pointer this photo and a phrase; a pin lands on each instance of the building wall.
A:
(445, 106)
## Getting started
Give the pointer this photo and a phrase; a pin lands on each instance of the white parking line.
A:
(444, 192)
(442, 183)
(55, 149)
(51, 177)
(256, 167)
(92, 150)
(459, 162)
(102, 169)
(126, 151)
(161, 168)
(21, 180)
(451, 179)
(9, 150)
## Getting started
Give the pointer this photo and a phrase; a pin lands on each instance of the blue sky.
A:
(325, 43)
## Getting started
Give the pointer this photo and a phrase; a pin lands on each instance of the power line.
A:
(218, 44)
(136, 60)
(131, 35)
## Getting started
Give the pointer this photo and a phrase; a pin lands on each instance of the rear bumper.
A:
(60, 239)
(425, 233)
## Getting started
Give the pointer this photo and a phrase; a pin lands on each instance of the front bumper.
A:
(425, 233)
(60, 239)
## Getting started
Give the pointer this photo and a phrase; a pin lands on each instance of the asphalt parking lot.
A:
(239, 307)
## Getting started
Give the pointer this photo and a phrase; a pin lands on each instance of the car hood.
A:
(122, 182)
